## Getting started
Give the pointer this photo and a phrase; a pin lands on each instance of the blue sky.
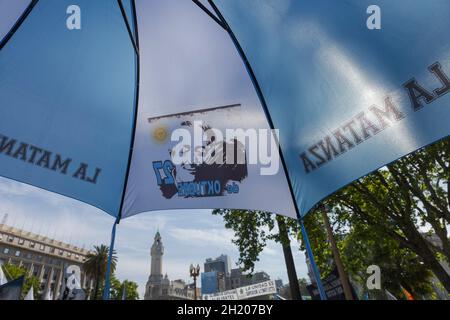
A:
(189, 236)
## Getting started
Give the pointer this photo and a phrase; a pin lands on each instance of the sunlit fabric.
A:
(347, 99)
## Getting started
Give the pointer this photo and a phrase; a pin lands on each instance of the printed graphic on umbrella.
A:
(79, 80)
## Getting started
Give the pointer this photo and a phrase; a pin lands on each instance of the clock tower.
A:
(157, 252)
(154, 283)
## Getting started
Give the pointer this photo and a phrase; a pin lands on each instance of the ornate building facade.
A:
(159, 287)
(42, 257)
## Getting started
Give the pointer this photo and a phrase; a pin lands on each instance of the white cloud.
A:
(12, 188)
(218, 238)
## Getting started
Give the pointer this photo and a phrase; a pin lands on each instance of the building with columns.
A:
(159, 287)
(42, 257)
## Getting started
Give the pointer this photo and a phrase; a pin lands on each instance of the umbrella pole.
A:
(312, 261)
(106, 291)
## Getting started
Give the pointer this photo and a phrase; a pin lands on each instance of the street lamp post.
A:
(195, 272)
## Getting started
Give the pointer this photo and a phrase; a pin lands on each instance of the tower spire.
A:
(154, 284)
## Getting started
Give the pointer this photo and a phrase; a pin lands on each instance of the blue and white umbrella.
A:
(91, 92)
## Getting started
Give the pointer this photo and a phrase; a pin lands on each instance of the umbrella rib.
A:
(136, 106)
(209, 13)
(18, 23)
(262, 99)
(130, 33)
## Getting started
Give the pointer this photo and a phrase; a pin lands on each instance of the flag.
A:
(407, 294)
(124, 291)
(49, 295)
(390, 296)
(76, 293)
(12, 290)
(71, 287)
(30, 294)
(2, 275)
(349, 97)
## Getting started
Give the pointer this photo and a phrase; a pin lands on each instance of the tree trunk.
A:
(96, 288)
(413, 239)
(337, 257)
(428, 257)
(289, 260)
(97, 285)
(438, 270)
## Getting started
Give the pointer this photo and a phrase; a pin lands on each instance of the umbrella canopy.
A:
(76, 121)
(68, 101)
(99, 97)
(353, 85)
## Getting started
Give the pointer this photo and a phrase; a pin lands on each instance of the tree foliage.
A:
(95, 267)
(395, 201)
(252, 231)
(13, 272)
(376, 220)
(117, 289)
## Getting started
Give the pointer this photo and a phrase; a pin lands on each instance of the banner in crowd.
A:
(246, 292)
(12, 290)
(332, 286)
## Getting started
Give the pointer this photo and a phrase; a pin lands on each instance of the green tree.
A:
(13, 272)
(95, 266)
(400, 266)
(398, 199)
(117, 289)
(252, 230)
(376, 220)
(321, 248)
(251, 233)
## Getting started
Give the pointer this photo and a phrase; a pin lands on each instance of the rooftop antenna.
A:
(23, 224)
(32, 225)
(52, 233)
(70, 238)
(46, 231)
(13, 224)
(5, 218)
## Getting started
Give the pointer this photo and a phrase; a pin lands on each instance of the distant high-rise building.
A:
(259, 277)
(213, 282)
(238, 279)
(278, 284)
(209, 282)
(219, 264)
